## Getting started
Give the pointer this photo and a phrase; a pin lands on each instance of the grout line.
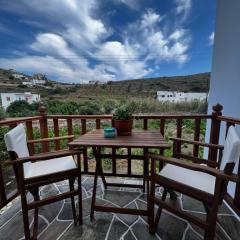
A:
(224, 231)
(109, 228)
(10, 219)
(67, 228)
(196, 232)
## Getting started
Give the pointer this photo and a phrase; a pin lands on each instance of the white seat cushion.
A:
(195, 179)
(49, 166)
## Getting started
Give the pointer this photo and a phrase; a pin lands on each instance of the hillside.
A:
(112, 89)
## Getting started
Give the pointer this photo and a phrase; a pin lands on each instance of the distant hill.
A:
(146, 87)
(190, 83)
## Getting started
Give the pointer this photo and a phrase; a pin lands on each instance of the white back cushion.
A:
(231, 152)
(16, 141)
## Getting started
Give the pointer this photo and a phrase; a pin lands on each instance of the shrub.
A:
(123, 112)
(21, 109)
(2, 113)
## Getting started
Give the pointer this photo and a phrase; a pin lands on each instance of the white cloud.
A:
(72, 44)
(122, 60)
(58, 60)
(150, 18)
(183, 8)
(72, 19)
(211, 38)
(157, 44)
(133, 4)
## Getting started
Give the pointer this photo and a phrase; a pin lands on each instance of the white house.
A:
(18, 76)
(8, 98)
(35, 82)
(174, 96)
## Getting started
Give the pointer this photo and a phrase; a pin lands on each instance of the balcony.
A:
(55, 220)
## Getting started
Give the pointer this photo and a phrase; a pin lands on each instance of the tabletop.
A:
(138, 139)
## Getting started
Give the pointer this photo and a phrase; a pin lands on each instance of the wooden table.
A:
(144, 139)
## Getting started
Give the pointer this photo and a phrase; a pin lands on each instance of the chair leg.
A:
(151, 206)
(25, 215)
(71, 187)
(35, 221)
(211, 220)
(79, 198)
(159, 211)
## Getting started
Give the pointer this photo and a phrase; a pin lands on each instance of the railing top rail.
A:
(18, 120)
(109, 117)
(229, 119)
(136, 116)
(174, 116)
(79, 116)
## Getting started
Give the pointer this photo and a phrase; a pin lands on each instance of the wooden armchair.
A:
(199, 181)
(35, 171)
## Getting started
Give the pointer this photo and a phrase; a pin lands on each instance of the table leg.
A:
(146, 172)
(94, 192)
(96, 152)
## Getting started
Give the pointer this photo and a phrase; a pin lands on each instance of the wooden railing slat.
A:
(196, 136)
(98, 123)
(69, 128)
(56, 133)
(30, 136)
(179, 134)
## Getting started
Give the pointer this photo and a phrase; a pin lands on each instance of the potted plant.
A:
(123, 120)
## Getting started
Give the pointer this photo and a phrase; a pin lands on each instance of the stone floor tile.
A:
(191, 235)
(14, 229)
(140, 230)
(231, 225)
(54, 230)
(117, 229)
(66, 213)
(60, 218)
(88, 183)
(51, 211)
(170, 227)
(192, 204)
(94, 230)
(120, 198)
(129, 219)
(129, 236)
(10, 212)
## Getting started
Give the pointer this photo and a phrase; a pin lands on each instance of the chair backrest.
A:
(231, 152)
(16, 141)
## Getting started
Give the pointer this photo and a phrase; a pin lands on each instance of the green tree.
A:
(21, 109)
(2, 113)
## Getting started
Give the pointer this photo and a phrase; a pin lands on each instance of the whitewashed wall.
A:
(225, 77)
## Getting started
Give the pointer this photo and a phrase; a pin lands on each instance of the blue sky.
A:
(81, 40)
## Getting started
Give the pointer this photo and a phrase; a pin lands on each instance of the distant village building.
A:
(18, 76)
(8, 98)
(39, 76)
(34, 82)
(174, 96)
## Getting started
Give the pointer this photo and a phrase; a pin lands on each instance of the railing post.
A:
(179, 134)
(44, 127)
(215, 131)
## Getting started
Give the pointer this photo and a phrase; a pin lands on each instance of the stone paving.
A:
(55, 220)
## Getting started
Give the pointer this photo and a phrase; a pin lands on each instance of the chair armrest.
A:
(195, 167)
(50, 139)
(210, 145)
(43, 157)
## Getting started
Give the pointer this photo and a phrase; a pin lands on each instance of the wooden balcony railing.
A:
(47, 126)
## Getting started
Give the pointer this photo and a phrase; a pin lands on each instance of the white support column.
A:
(225, 76)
